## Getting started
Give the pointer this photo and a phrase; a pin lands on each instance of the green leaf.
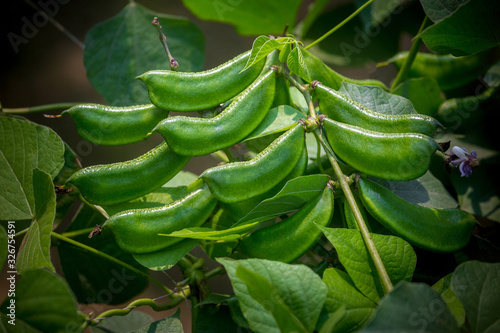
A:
(424, 93)
(171, 324)
(426, 191)
(166, 258)
(119, 324)
(215, 319)
(260, 290)
(437, 10)
(376, 99)
(412, 307)
(92, 278)
(257, 17)
(443, 286)
(256, 46)
(343, 293)
(278, 119)
(24, 147)
(296, 63)
(230, 234)
(34, 252)
(397, 256)
(471, 29)
(333, 321)
(221, 220)
(356, 43)
(304, 300)
(295, 194)
(19, 327)
(262, 46)
(4, 248)
(44, 301)
(477, 286)
(126, 45)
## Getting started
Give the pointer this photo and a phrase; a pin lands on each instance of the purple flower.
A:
(460, 157)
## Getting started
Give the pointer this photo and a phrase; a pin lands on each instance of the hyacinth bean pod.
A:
(185, 92)
(192, 136)
(238, 181)
(109, 184)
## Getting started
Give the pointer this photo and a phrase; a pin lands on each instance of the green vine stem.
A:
(111, 258)
(344, 182)
(338, 26)
(403, 72)
(39, 108)
(138, 302)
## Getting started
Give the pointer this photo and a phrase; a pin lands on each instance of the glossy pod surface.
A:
(238, 181)
(392, 156)
(321, 72)
(192, 136)
(241, 208)
(289, 239)
(119, 182)
(113, 125)
(184, 92)
(442, 230)
(137, 230)
(339, 107)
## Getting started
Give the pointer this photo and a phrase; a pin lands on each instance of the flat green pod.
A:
(238, 181)
(392, 156)
(440, 230)
(185, 92)
(190, 136)
(289, 239)
(115, 125)
(137, 230)
(113, 183)
(341, 108)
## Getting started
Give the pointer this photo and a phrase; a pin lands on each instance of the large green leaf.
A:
(286, 282)
(477, 285)
(443, 286)
(356, 43)
(15, 325)
(296, 193)
(257, 17)
(92, 278)
(25, 146)
(424, 93)
(343, 293)
(412, 307)
(397, 256)
(44, 301)
(34, 252)
(437, 10)
(170, 324)
(126, 45)
(426, 191)
(471, 29)
(377, 99)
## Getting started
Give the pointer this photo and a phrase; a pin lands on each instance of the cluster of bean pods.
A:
(388, 147)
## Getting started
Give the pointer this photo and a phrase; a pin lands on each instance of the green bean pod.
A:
(137, 230)
(190, 136)
(114, 125)
(238, 181)
(184, 92)
(282, 91)
(242, 208)
(318, 71)
(119, 182)
(441, 230)
(289, 239)
(449, 72)
(341, 108)
(392, 156)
